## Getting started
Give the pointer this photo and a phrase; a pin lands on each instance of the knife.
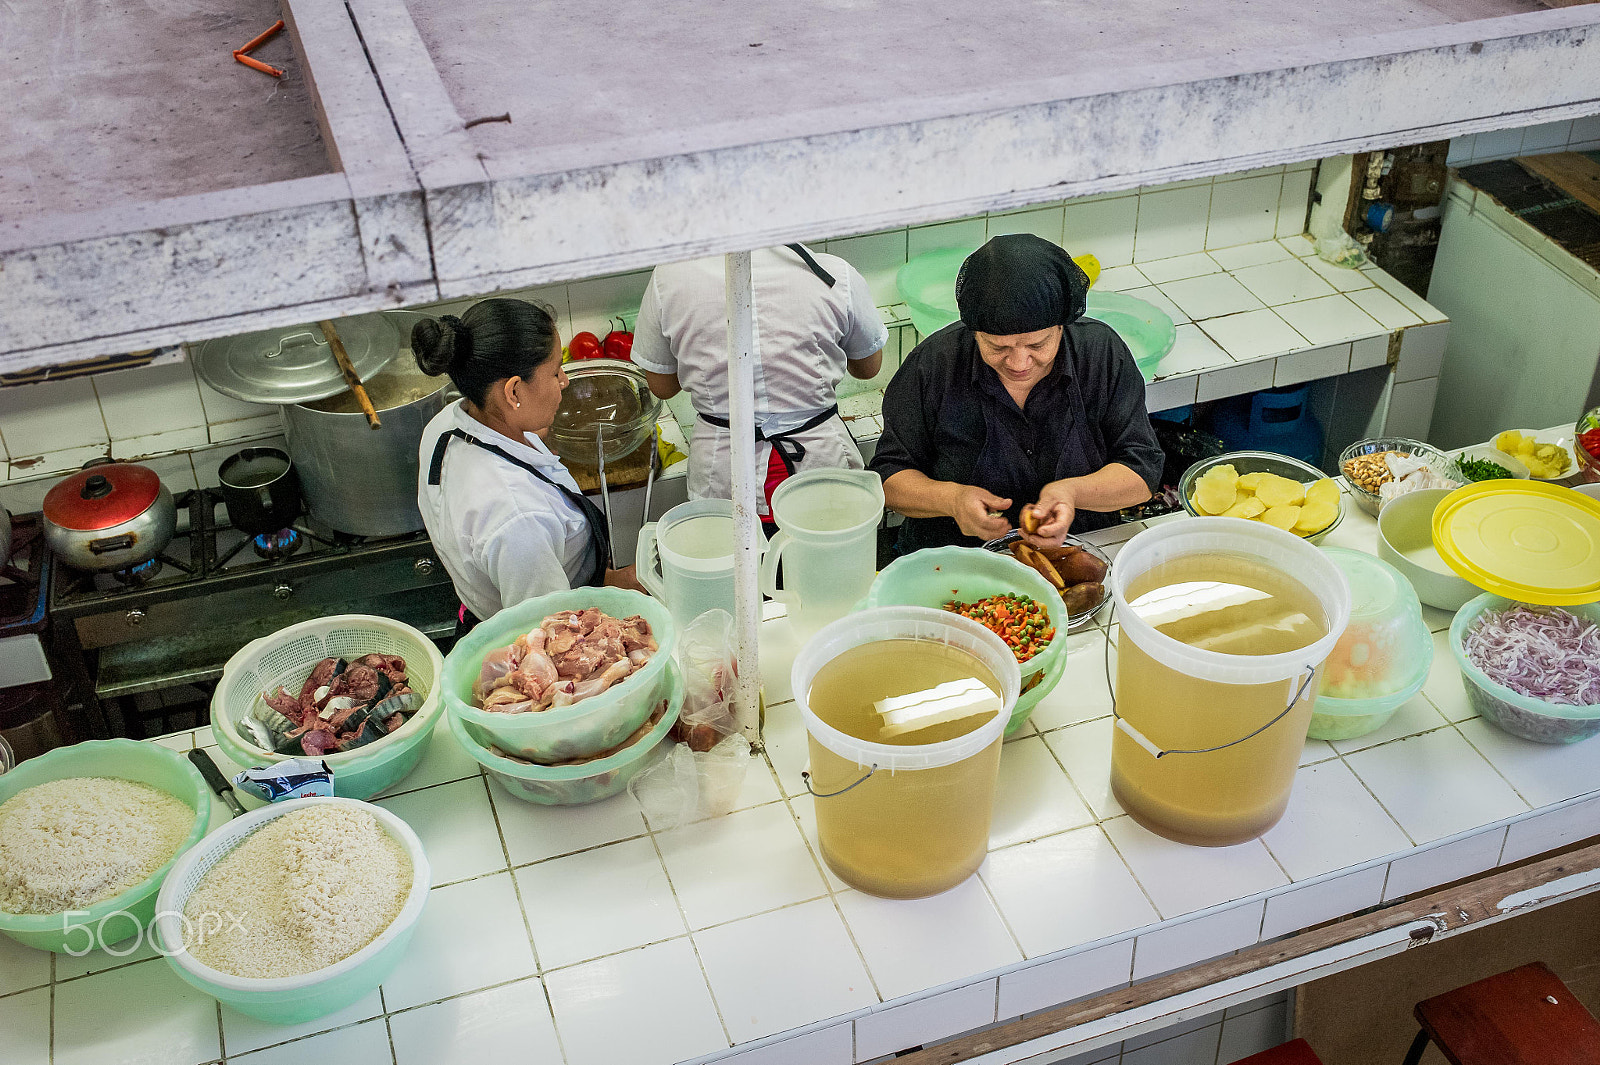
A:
(219, 783)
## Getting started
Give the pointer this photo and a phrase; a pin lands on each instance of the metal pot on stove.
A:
(111, 516)
(260, 490)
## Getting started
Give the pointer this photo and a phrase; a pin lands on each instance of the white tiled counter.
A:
(579, 934)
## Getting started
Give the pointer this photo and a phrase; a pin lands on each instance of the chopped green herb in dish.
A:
(1482, 470)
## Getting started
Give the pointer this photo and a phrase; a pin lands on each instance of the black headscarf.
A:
(1020, 284)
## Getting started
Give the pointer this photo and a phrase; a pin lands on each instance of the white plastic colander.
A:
(288, 999)
(286, 657)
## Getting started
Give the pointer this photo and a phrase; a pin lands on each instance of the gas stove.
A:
(179, 618)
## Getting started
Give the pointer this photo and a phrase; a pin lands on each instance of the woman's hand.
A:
(623, 578)
(1054, 511)
(979, 513)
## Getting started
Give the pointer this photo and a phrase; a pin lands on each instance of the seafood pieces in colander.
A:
(342, 705)
(573, 655)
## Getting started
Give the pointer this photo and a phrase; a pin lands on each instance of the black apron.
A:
(1082, 454)
(599, 531)
(789, 450)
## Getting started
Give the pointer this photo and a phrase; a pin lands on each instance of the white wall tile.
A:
(361, 1044)
(139, 1012)
(1435, 785)
(1192, 352)
(1332, 822)
(1061, 980)
(1544, 774)
(1586, 128)
(1181, 945)
(175, 471)
(596, 301)
(1422, 351)
(967, 233)
(1164, 395)
(1461, 148)
(1343, 278)
(1411, 408)
(826, 1046)
(1195, 1048)
(26, 1021)
(914, 944)
(149, 400)
(1369, 353)
(1265, 251)
(1028, 882)
(820, 975)
(1172, 222)
(1323, 901)
(1122, 279)
(1497, 144)
(22, 967)
(242, 429)
(25, 497)
(1179, 267)
(1251, 1033)
(1210, 296)
(1444, 864)
(502, 1024)
(456, 823)
(1044, 222)
(1329, 320)
(1172, 1031)
(1546, 137)
(175, 440)
(470, 937)
(1244, 211)
(879, 256)
(738, 865)
(1102, 228)
(912, 1024)
(1033, 797)
(1390, 312)
(1253, 334)
(1293, 203)
(1284, 281)
(533, 832)
(53, 416)
(1312, 365)
(597, 902)
(242, 1033)
(52, 464)
(1235, 381)
(220, 408)
(645, 1005)
(1550, 830)
(1182, 879)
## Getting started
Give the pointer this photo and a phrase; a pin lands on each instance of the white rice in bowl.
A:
(302, 893)
(68, 844)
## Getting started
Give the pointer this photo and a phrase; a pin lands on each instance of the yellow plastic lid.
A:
(1524, 540)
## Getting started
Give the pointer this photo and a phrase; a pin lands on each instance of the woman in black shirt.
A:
(1023, 402)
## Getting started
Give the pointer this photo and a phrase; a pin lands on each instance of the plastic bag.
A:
(1342, 249)
(1410, 474)
(703, 772)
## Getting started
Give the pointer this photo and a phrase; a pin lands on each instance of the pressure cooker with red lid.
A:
(110, 516)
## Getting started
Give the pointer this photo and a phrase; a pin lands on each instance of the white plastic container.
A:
(913, 820)
(1212, 763)
(686, 559)
(828, 538)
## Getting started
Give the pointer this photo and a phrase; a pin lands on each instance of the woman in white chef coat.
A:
(815, 321)
(506, 517)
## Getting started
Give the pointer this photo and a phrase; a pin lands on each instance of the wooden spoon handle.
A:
(342, 357)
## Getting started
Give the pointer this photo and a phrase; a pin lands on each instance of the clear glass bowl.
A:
(1258, 462)
(1589, 460)
(1368, 501)
(8, 757)
(607, 407)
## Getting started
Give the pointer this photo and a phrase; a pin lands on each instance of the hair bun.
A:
(438, 342)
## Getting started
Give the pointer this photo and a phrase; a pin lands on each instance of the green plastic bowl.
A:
(288, 656)
(290, 999)
(574, 785)
(143, 763)
(1520, 715)
(934, 576)
(567, 732)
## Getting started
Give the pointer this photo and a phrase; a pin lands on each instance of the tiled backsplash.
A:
(1574, 135)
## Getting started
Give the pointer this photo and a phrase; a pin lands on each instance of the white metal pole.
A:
(746, 483)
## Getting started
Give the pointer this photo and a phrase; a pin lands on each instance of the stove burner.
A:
(134, 576)
(277, 545)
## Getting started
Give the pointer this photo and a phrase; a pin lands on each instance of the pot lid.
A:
(102, 497)
(1527, 541)
(295, 365)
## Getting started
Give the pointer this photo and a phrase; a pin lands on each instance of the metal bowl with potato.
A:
(1262, 486)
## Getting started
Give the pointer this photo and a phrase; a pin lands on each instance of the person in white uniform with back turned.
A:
(815, 321)
(506, 517)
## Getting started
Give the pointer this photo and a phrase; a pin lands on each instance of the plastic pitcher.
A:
(828, 540)
(686, 559)
(903, 820)
(1207, 742)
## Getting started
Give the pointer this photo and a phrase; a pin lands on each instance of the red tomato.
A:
(585, 346)
(618, 345)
